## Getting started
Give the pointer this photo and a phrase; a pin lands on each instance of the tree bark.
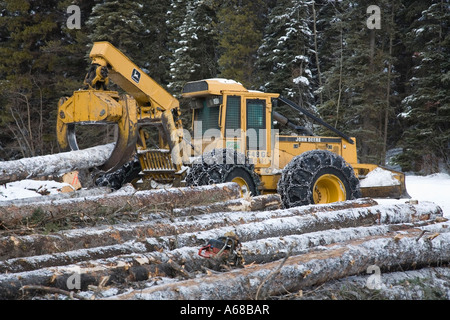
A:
(258, 203)
(291, 223)
(55, 164)
(316, 53)
(139, 264)
(130, 201)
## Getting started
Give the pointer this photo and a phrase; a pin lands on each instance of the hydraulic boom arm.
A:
(130, 78)
(146, 103)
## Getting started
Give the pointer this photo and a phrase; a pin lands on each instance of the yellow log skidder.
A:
(233, 138)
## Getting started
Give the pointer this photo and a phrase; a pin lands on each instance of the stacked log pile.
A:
(145, 245)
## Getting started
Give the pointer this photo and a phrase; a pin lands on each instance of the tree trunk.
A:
(316, 53)
(388, 90)
(290, 223)
(258, 203)
(55, 164)
(142, 258)
(120, 201)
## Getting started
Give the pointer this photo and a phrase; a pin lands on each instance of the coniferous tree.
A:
(239, 33)
(285, 53)
(193, 45)
(284, 57)
(155, 40)
(426, 140)
(380, 86)
(120, 23)
(137, 28)
(39, 63)
(355, 86)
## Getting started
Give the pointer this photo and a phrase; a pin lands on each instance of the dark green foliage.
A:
(239, 33)
(427, 106)
(388, 87)
(193, 44)
(39, 62)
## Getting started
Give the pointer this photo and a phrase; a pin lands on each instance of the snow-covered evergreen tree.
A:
(426, 140)
(40, 61)
(119, 22)
(284, 57)
(193, 44)
(355, 86)
(155, 51)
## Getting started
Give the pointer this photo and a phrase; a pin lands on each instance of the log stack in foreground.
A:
(148, 247)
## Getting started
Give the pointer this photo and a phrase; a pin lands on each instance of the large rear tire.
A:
(316, 177)
(224, 165)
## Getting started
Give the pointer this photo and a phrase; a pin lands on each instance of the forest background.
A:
(389, 86)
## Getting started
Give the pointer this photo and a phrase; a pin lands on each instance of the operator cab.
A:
(227, 115)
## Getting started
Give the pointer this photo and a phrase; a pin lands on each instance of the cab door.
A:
(233, 132)
(257, 131)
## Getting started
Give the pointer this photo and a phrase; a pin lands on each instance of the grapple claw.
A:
(99, 107)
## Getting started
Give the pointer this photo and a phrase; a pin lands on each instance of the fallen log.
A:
(258, 203)
(54, 164)
(290, 223)
(182, 262)
(117, 201)
(23, 263)
(266, 202)
(82, 193)
(422, 284)
(169, 232)
(303, 271)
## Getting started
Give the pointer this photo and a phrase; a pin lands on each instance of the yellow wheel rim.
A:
(329, 188)
(245, 189)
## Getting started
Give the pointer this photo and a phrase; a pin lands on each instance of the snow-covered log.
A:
(262, 250)
(303, 271)
(15, 260)
(422, 284)
(54, 164)
(257, 203)
(132, 201)
(288, 222)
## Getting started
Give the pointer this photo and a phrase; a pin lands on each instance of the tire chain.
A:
(214, 167)
(115, 180)
(303, 168)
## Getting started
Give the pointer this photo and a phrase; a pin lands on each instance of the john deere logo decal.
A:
(136, 76)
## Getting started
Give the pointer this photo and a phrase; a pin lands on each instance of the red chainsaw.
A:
(218, 247)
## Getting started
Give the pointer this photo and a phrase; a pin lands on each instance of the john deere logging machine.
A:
(232, 137)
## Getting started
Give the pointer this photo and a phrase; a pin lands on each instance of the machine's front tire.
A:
(224, 165)
(316, 177)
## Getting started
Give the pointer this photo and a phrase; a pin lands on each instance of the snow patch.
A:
(30, 189)
(379, 178)
(225, 81)
(301, 80)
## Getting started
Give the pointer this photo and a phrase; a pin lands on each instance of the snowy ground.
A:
(434, 188)
(29, 189)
